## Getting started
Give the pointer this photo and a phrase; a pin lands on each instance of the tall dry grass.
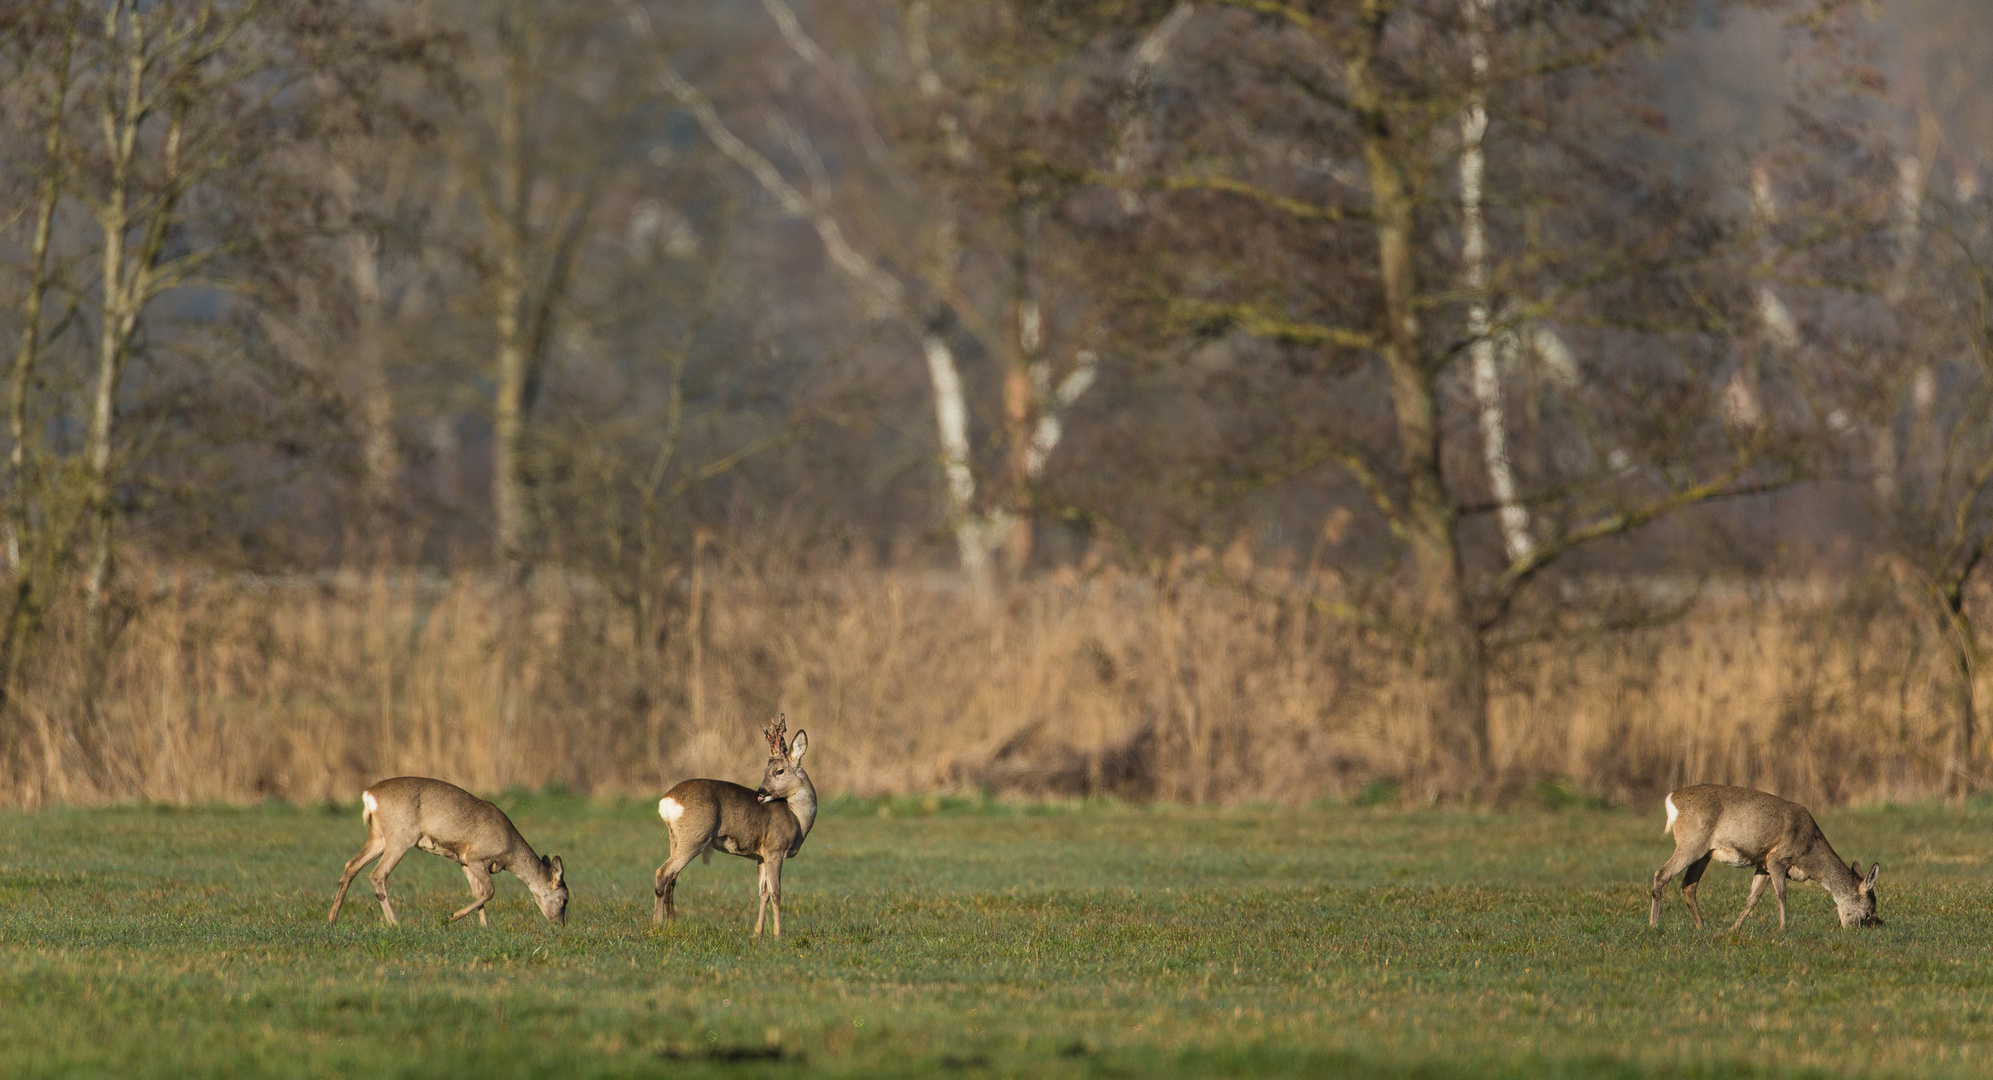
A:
(308, 690)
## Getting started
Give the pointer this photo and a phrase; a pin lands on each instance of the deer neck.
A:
(803, 805)
(526, 866)
(1833, 875)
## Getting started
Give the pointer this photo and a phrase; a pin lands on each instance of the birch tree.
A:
(182, 97)
(523, 326)
(1331, 131)
(929, 301)
(1486, 376)
(1940, 510)
(155, 126)
(43, 63)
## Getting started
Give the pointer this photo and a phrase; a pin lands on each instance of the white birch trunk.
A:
(1132, 136)
(1487, 385)
(951, 419)
(1741, 407)
(977, 535)
(1911, 176)
(1051, 423)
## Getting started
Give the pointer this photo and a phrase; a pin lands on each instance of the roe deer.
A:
(444, 819)
(1775, 838)
(767, 825)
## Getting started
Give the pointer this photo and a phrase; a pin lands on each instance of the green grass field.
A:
(987, 942)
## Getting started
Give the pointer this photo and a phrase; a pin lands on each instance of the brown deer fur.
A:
(444, 819)
(767, 825)
(1777, 839)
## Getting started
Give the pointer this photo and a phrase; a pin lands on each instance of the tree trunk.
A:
(1956, 626)
(382, 463)
(508, 494)
(1487, 384)
(1017, 411)
(951, 415)
(114, 329)
(1959, 779)
(1450, 644)
(25, 548)
(1023, 394)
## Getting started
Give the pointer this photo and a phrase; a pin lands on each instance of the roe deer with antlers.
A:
(767, 825)
(444, 819)
(1777, 839)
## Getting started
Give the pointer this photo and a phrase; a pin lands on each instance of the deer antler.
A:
(777, 728)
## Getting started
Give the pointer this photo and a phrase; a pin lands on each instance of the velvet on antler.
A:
(774, 733)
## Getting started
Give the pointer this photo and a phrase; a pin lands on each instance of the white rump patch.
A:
(1672, 814)
(670, 809)
(368, 806)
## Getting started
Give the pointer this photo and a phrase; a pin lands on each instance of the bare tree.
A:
(932, 301)
(530, 155)
(43, 62)
(1314, 136)
(1939, 505)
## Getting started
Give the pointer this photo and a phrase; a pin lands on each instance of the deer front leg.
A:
(1758, 880)
(772, 873)
(1778, 890)
(761, 898)
(482, 890)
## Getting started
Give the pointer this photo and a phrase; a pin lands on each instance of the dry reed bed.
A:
(1107, 685)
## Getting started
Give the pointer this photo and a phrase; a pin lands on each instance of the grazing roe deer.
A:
(766, 825)
(1775, 838)
(444, 819)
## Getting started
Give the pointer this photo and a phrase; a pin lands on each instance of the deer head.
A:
(1861, 911)
(784, 775)
(554, 896)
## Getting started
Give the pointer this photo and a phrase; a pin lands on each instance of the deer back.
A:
(1748, 822)
(447, 815)
(729, 817)
(1743, 827)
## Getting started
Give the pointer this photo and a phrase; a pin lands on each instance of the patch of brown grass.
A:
(308, 690)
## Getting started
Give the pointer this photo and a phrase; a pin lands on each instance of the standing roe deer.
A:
(444, 819)
(1775, 838)
(767, 825)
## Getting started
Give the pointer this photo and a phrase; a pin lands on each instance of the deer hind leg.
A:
(375, 845)
(666, 882)
(482, 890)
(395, 850)
(1690, 879)
(1758, 880)
(1678, 862)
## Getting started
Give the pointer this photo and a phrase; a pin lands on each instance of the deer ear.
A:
(553, 864)
(1856, 866)
(1872, 871)
(799, 746)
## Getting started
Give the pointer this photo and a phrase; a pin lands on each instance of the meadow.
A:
(932, 937)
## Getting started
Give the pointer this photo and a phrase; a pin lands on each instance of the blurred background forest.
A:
(1211, 400)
